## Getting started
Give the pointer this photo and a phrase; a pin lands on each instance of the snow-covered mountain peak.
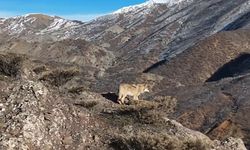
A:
(169, 2)
(33, 23)
(60, 23)
(30, 19)
(150, 3)
(133, 7)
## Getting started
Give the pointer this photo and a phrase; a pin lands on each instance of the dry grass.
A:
(166, 103)
(143, 140)
(144, 112)
(40, 69)
(10, 65)
(87, 104)
(59, 77)
(76, 90)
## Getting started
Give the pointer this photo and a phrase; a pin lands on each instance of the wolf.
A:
(131, 90)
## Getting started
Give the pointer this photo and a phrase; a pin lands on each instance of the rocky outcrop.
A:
(175, 136)
(34, 117)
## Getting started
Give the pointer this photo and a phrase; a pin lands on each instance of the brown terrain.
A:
(209, 103)
(40, 111)
(59, 79)
(199, 63)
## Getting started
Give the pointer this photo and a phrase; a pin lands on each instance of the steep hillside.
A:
(61, 77)
(199, 63)
(218, 109)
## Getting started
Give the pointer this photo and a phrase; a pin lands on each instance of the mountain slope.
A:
(198, 63)
(33, 112)
(142, 34)
(188, 51)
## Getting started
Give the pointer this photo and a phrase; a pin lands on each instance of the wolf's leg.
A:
(119, 98)
(136, 97)
(122, 99)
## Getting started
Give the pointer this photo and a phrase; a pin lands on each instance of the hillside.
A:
(59, 78)
(200, 63)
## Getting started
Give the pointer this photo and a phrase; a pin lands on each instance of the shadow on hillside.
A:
(239, 23)
(236, 67)
(154, 66)
(111, 96)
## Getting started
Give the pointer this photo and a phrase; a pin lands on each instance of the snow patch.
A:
(21, 24)
(149, 4)
(17, 24)
(169, 2)
(132, 8)
(60, 23)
